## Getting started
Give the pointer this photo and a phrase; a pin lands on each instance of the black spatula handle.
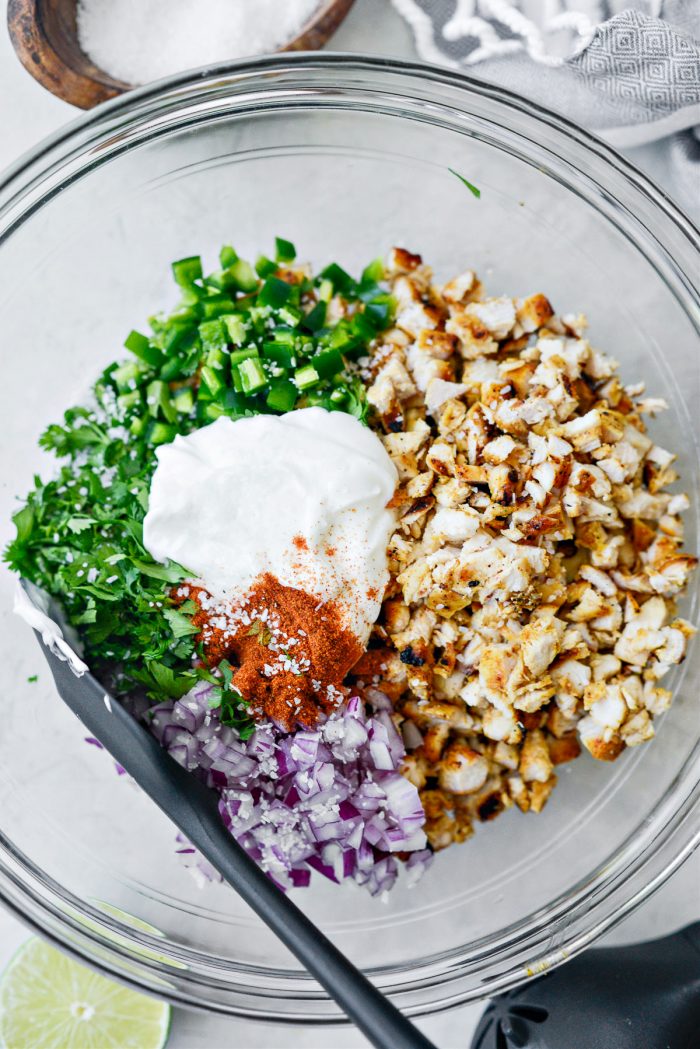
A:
(194, 809)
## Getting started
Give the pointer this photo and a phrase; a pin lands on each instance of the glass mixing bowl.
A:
(345, 156)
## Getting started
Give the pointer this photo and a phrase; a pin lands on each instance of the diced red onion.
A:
(329, 799)
(299, 877)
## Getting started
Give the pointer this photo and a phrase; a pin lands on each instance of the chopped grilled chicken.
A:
(537, 556)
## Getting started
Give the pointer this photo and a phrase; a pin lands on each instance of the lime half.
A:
(48, 1001)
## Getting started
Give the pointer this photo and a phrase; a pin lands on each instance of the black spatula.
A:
(193, 808)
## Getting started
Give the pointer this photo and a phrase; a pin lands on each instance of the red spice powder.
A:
(323, 651)
(379, 665)
(300, 543)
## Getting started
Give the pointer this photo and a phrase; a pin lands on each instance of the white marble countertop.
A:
(27, 113)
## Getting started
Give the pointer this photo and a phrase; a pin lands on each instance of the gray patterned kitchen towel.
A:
(629, 71)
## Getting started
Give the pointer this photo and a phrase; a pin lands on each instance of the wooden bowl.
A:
(44, 35)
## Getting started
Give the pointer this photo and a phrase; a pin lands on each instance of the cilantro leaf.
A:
(470, 185)
(164, 680)
(180, 624)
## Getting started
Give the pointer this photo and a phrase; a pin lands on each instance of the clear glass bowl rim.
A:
(568, 924)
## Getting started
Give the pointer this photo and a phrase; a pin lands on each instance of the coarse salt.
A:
(137, 41)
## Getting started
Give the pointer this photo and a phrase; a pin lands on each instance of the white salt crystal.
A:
(141, 40)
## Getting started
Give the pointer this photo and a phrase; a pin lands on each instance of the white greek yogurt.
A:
(302, 496)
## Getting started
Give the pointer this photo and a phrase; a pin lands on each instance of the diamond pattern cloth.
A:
(643, 69)
(632, 75)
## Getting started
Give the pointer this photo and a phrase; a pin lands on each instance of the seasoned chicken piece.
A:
(642, 632)
(416, 317)
(462, 770)
(497, 316)
(415, 768)
(435, 740)
(425, 368)
(600, 743)
(539, 642)
(535, 762)
(403, 448)
(440, 390)
(458, 289)
(637, 729)
(401, 261)
(532, 313)
(474, 338)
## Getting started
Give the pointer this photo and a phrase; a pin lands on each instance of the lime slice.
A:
(48, 1001)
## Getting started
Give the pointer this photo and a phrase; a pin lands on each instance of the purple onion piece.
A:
(329, 799)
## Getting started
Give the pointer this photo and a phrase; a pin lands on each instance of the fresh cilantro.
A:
(180, 623)
(232, 707)
(226, 673)
(233, 712)
(171, 573)
(470, 185)
(163, 679)
(259, 630)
